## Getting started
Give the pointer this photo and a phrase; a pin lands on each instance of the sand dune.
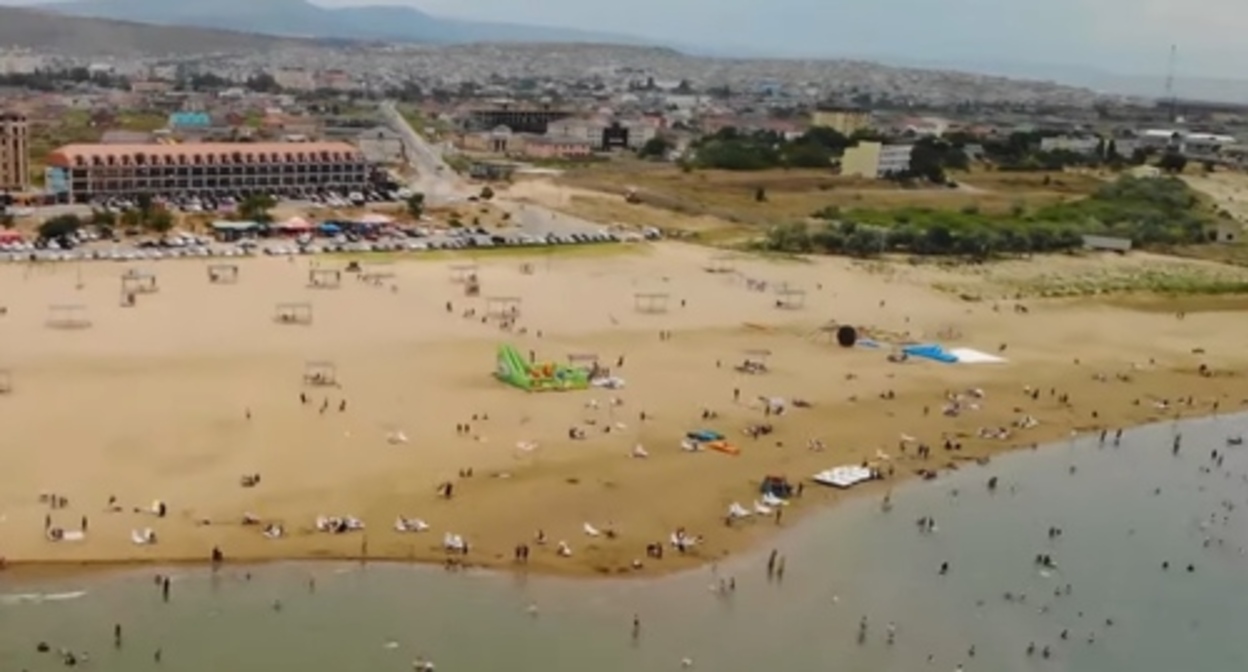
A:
(152, 402)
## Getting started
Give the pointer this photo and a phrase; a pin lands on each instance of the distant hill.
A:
(49, 32)
(300, 18)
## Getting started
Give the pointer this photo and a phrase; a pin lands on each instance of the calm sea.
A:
(1123, 512)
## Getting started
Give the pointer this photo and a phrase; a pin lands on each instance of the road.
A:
(434, 178)
(442, 185)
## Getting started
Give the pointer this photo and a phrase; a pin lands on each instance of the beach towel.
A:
(143, 537)
(640, 451)
(402, 524)
(772, 500)
(762, 509)
(735, 510)
(590, 530)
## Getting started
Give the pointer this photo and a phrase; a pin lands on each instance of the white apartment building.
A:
(874, 160)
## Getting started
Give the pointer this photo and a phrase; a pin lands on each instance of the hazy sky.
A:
(1128, 36)
(1121, 36)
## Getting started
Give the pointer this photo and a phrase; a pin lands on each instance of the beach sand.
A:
(152, 402)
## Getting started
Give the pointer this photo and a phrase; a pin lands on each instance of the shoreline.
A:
(1050, 437)
(185, 395)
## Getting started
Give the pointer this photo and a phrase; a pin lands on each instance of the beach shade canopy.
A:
(329, 229)
(776, 486)
(846, 336)
(226, 225)
(295, 224)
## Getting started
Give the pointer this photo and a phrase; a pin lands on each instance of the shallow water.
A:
(856, 560)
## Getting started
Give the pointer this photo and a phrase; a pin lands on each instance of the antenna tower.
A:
(1172, 102)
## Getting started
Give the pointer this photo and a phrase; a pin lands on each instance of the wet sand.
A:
(153, 401)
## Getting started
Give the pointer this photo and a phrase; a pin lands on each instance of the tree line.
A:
(1149, 212)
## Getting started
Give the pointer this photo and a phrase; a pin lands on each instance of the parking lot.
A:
(191, 246)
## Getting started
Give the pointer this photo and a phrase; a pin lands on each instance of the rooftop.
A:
(224, 151)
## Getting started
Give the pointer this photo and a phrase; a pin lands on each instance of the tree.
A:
(60, 226)
(159, 221)
(131, 219)
(256, 208)
(1172, 162)
(104, 218)
(655, 148)
(416, 205)
(144, 202)
(487, 193)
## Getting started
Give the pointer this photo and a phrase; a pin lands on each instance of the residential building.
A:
(1185, 142)
(501, 140)
(381, 145)
(843, 120)
(295, 79)
(547, 147)
(874, 160)
(1074, 145)
(14, 152)
(601, 135)
(519, 119)
(83, 173)
(193, 120)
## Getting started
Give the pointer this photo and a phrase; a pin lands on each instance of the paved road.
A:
(435, 179)
(441, 184)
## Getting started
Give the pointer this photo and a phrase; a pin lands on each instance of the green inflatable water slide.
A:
(542, 377)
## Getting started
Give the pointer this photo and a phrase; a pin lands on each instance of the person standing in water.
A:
(636, 628)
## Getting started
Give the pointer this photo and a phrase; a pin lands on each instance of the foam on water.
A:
(13, 599)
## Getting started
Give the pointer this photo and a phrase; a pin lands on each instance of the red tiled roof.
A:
(224, 152)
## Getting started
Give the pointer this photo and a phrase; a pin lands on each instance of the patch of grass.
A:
(1164, 282)
(794, 194)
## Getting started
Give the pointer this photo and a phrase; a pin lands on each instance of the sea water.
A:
(1123, 511)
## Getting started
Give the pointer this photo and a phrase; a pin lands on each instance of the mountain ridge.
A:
(299, 18)
(32, 28)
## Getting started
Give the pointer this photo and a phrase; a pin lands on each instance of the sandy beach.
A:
(181, 395)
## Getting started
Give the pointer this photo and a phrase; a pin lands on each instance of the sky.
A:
(1130, 37)
(1120, 36)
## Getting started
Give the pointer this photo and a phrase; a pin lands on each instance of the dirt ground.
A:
(794, 194)
(180, 396)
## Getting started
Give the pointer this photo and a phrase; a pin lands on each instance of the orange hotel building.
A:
(88, 172)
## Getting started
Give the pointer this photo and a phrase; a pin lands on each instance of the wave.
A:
(12, 599)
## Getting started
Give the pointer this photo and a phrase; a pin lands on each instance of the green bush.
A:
(1149, 212)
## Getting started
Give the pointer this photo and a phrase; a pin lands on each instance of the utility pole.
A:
(1172, 102)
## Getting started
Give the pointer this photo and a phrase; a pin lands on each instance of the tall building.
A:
(843, 120)
(14, 152)
(84, 173)
(874, 160)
